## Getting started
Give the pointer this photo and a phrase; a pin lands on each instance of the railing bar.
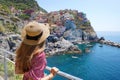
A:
(7, 59)
(66, 75)
(59, 73)
(7, 52)
(1, 78)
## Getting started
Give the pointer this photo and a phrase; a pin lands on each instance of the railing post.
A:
(5, 67)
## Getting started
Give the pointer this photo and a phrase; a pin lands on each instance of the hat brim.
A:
(45, 34)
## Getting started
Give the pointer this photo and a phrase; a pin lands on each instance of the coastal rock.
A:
(87, 50)
(74, 49)
(9, 43)
(92, 36)
(73, 35)
(101, 38)
(61, 46)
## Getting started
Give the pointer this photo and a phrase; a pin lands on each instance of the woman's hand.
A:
(54, 70)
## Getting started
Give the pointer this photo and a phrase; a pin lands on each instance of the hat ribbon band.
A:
(34, 37)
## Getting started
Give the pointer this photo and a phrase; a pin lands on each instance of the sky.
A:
(104, 15)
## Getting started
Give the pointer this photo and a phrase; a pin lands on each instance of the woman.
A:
(30, 56)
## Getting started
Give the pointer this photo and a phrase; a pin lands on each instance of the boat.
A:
(88, 45)
(100, 45)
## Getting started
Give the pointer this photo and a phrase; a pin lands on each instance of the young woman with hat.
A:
(30, 56)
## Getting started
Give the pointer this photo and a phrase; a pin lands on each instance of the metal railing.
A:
(60, 73)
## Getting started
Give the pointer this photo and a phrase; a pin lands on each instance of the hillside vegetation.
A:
(20, 4)
(13, 13)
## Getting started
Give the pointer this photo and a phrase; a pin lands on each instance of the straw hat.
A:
(35, 33)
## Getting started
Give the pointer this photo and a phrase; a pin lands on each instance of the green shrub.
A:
(24, 16)
(2, 29)
(15, 19)
(11, 74)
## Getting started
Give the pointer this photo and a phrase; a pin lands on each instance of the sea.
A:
(101, 63)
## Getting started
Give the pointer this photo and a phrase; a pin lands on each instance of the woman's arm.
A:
(37, 70)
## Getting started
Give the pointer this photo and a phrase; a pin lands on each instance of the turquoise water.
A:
(102, 63)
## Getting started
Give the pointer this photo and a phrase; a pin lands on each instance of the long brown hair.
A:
(24, 54)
